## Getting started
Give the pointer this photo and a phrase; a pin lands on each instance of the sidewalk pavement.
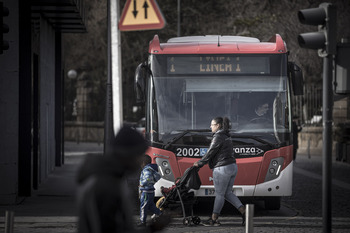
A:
(52, 207)
(73, 148)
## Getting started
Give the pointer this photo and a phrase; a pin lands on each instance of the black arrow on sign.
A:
(145, 5)
(135, 11)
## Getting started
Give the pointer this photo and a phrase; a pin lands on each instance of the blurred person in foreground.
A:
(103, 196)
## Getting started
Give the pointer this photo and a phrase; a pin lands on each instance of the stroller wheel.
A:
(187, 221)
(196, 220)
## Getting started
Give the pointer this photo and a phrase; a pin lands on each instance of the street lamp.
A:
(72, 74)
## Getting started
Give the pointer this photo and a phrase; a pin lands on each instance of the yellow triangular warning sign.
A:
(141, 15)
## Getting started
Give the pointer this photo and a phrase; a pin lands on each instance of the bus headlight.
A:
(274, 163)
(165, 169)
(165, 163)
(274, 169)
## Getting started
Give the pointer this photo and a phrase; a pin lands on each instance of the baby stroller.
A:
(179, 194)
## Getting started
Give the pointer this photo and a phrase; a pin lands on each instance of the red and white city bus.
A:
(188, 81)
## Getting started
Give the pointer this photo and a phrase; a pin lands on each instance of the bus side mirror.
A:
(141, 75)
(296, 76)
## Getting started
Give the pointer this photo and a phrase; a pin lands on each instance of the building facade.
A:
(31, 92)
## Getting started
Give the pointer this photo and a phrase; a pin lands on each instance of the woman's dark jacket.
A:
(220, 152)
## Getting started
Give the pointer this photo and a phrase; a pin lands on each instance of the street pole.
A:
(108, 125)
(178, 18)
(114, 103)
(325, 41)
(327, 143)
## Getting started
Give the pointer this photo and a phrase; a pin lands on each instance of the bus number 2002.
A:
(191, 152)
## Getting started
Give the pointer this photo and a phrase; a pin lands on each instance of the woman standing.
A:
(221, 159)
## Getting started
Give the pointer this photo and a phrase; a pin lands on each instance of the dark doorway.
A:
(36, 121)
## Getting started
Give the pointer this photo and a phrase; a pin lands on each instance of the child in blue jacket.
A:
(149, 176)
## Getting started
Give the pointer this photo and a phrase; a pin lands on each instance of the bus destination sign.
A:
(218, 65)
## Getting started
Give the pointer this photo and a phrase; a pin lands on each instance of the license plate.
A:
(209, 192)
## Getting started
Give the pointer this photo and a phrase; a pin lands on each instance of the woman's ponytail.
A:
(224, 122)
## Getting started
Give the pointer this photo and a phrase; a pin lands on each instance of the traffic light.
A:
(4, 28)
(325, 16)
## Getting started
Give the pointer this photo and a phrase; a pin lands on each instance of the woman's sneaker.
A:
(211, 223)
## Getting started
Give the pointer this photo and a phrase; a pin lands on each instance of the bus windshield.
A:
(256, 104)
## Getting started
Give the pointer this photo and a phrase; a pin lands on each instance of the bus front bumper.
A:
(281, 186)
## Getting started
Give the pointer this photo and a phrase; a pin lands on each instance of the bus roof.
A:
(215, 44)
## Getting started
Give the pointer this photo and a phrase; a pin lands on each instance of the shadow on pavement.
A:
(56, 195)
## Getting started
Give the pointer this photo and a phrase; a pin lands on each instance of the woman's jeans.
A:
(224, 177)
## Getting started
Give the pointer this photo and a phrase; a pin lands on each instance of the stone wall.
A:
(84, 131)
(310, 140)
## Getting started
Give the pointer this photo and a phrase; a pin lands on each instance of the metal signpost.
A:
(114, 107)
(137, 15)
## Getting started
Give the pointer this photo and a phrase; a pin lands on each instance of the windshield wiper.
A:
(183, 134)
(254, 138)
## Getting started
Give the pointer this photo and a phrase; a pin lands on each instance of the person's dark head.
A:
(220, 123)
(144, 160)
(262, 109)
(128, 147)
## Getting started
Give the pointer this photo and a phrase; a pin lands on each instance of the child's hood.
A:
(152, 166)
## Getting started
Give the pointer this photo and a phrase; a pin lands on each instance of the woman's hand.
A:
(196, 164)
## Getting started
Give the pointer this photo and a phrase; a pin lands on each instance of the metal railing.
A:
(308, 107)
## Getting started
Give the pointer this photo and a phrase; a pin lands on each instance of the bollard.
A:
(308, 149)
(249, 214)
(9, 221)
